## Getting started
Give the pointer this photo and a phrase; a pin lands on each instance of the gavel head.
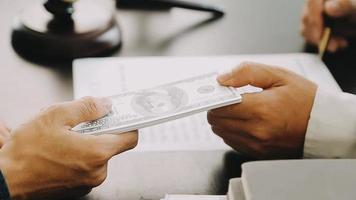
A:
(61, 30)
(61, 9)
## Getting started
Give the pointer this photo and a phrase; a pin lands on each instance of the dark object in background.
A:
(167, 4)
(60, 30)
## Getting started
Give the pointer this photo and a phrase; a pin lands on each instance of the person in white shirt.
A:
(292, 117)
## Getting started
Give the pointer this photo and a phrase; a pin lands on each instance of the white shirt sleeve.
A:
(331, 129)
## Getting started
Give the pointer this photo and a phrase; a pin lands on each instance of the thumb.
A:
(113, 144)
(339, 8)
(83, 110)
(249, 73)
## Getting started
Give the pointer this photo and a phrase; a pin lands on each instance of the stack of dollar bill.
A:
(142, 108)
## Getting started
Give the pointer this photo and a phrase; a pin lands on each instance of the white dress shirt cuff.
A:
(331, 131)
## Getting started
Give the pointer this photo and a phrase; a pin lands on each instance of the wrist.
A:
(331, 127)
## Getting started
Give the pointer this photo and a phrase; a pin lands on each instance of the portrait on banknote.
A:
(159, 101)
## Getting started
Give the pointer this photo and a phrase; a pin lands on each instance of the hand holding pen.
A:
(319, 23)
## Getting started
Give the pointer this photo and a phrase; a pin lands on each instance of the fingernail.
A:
(105, 101)
(224, 77)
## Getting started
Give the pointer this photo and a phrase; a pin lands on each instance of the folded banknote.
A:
(134, 110)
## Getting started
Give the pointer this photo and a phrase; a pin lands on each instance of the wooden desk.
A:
(250, 26)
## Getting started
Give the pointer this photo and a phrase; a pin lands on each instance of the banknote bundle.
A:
(134, 110)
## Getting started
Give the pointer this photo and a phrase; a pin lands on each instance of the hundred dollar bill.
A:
(138, 109)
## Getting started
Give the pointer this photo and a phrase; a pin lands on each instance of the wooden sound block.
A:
(93, 31)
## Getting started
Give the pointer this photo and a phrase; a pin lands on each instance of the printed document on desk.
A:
(110, 76)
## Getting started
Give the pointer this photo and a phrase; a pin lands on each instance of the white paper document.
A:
(111, 76)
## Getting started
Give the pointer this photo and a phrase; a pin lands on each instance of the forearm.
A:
(331, 129)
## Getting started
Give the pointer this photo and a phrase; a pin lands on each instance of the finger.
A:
(231, 125)
(86, 109)
(243, 111)
(237, 141)
(247, 109)
(314, 20)
(113, 144)
(311, 34)
(255, 74)
(337, 43)
(338, 8)
(238, 111)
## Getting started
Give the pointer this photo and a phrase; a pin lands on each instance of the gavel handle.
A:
(166, 4)
(60, 9)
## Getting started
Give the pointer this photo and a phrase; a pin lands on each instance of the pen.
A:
(173, 3)
(324, 42)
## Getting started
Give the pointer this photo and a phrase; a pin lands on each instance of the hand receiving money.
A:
(43, 159)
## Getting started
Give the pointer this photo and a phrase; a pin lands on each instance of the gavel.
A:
(58, 30)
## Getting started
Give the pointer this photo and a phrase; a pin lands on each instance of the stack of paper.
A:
(295, 180)
(289, 179)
